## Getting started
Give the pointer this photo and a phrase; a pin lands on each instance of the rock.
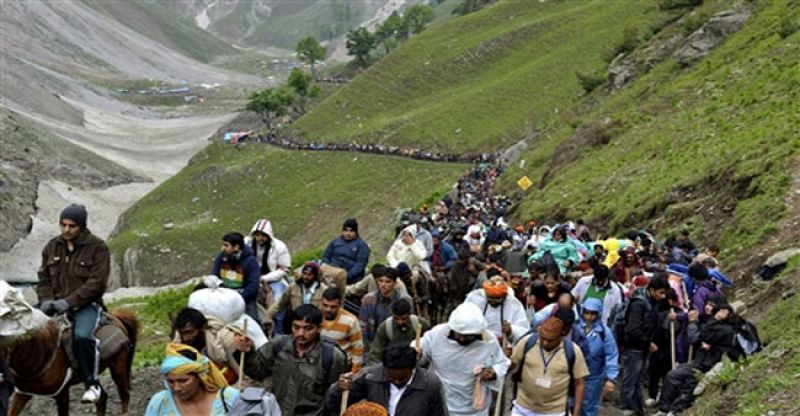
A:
(197, 198)
(782, 257)
(620, 72)
(711, 34)
(787, 294)
(738, 307)
(169, 226)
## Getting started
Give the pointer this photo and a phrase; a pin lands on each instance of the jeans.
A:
(631, 394)
(85, 346)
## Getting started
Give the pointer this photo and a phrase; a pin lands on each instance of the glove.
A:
(60, 306)
(47, 307)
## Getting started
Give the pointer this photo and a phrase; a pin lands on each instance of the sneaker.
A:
(650, 403)
(92, 394)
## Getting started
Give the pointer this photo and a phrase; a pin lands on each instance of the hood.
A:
(264, 226)
(467, 319)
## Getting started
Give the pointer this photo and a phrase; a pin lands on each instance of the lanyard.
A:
(545, 362)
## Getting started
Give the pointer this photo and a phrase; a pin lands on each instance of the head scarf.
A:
(366, 409)
(495, 287)
(177, 364)
(467, 319)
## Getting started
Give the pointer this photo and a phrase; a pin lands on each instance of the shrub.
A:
(631, 37)
(787, 27)
(678, 4)
(590, 80)
(694, 21)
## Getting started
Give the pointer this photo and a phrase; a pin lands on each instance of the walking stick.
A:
(672, 341)
(345, 398)
(241, 360)
(418, 330)
(498, 409)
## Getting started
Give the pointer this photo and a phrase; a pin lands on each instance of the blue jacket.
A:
(603, 354)
(350, 255)
(239, 272)
(449, 255)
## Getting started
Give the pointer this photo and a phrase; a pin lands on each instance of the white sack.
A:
(224, 304)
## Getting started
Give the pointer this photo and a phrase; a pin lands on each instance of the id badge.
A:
(543, 383)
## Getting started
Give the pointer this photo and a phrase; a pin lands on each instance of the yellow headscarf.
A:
(178, 364)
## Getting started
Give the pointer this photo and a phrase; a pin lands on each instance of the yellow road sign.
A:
(524, 183)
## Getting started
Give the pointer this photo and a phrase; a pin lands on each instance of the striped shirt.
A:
(347, 334)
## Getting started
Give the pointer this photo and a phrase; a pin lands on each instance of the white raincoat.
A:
(412, 254)
(278, 259)
(511, 310)
(454, 364)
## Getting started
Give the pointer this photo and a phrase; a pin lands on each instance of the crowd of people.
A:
(378, 149)
(464, 315)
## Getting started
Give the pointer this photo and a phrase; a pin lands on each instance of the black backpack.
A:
(747, 338)
(619, 315)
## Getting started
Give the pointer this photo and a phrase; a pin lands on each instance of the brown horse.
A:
(40, 366)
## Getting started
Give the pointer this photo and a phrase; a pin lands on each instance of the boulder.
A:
(711, 34)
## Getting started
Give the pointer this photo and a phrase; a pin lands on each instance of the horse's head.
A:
(18, 319)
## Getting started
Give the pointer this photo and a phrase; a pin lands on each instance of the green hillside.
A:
(710, 148)
(307, 195)
(477, 82)
(158, 23)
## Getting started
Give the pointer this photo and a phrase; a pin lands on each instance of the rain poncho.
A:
(561, 251)
(602, 359)
(411, 254)
(454, 364)
(511, 310)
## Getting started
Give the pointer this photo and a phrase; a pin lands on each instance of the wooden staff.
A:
(345, 398)
(672, 342)
(418, 330)
(241, 360)
(498, 409)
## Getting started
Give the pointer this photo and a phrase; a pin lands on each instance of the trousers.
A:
(84, 344)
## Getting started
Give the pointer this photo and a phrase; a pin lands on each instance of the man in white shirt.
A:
(397, 384)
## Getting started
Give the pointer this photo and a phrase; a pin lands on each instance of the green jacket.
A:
(298, 383)
(80, 276)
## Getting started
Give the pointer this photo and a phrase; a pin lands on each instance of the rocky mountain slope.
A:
(71, 136)
(277, 23)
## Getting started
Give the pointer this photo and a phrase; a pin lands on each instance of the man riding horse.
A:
(72, 278)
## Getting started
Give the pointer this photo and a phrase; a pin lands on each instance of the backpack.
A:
(619, 315)
(569, 351)
(414, 320)
(747, 338)
(328, 346)
(253, 401)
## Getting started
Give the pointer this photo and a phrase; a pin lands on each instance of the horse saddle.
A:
(110, 333)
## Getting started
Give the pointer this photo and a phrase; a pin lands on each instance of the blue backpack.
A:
(569, 351)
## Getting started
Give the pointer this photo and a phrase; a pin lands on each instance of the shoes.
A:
(650, 403)
(628, 413)
(92, 394)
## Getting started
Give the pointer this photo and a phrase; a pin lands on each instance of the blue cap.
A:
(593, 305)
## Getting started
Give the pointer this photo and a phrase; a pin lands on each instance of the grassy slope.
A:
(307, 195)
(767, 381)
(709, 147)
(474, 83)
(156, 22)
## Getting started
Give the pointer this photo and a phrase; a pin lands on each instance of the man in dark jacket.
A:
(303, 365)
(238, 268)
(346, 257)
(713, 339)
(72, 278)
(638, 334)
(397, 384)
